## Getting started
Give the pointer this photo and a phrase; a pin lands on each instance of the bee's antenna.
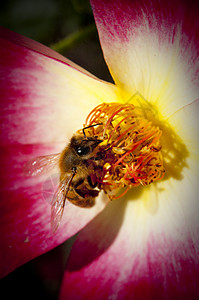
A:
(90, 127)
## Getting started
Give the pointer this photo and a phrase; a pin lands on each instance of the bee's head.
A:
(84, 146)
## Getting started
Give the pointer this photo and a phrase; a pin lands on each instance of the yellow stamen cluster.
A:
(130, 148)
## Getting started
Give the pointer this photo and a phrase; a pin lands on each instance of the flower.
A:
(145, 244)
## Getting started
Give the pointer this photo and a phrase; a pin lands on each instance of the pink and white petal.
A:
(40, 96)
(152, 48)
(25, 223)
(43, 102)
(20, 40)
(134, 251)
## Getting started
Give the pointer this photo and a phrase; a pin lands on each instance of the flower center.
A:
(130, 152)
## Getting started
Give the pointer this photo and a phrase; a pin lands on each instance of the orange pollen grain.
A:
(130, 145)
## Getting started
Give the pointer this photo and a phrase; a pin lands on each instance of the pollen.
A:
(130, 152)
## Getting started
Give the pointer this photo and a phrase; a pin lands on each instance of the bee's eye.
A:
(83, 151)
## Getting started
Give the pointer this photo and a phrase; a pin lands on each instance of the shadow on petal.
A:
(101, 232)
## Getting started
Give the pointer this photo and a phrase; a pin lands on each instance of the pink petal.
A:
(110, 263)
(43, 102)
(25, 42)
(25, 212)
(40, 95)
(151, 48)
(131, 252)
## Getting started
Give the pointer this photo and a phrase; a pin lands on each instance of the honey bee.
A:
(118, 148)
(78, 164)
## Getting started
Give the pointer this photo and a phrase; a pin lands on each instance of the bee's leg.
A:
(78, 183)
(91, 183)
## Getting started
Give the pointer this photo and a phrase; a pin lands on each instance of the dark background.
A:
(49, 21)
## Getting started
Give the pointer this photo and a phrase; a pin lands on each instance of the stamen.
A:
(130, 146)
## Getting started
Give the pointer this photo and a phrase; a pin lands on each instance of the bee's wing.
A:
(59, 200)
(41, 164)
